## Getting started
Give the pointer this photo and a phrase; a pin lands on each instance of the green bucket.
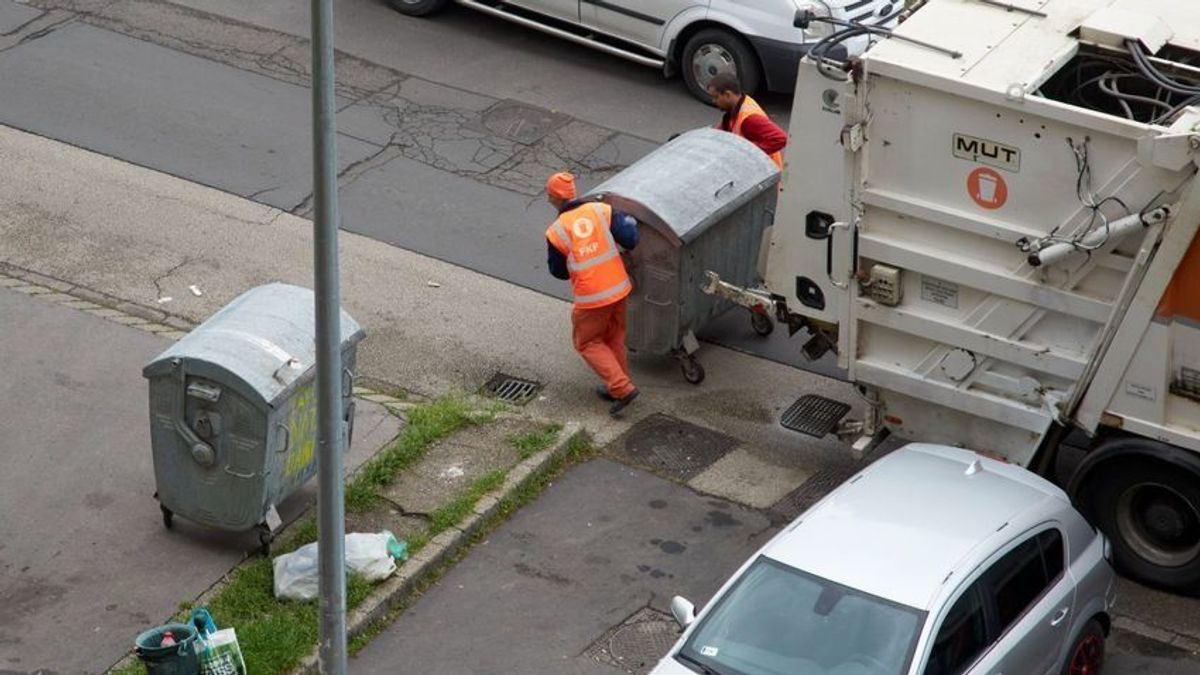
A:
(177, 659)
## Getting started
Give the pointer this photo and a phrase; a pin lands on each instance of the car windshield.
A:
(777, 620)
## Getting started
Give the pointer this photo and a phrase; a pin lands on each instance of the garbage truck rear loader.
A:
(997, 237)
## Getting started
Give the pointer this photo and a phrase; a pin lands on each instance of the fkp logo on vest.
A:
(583, 228)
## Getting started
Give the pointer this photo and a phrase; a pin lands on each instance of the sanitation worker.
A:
(583, 246)
(744, 117)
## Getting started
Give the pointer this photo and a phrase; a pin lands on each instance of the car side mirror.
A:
(683, 611)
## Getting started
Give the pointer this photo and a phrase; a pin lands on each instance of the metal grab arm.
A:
(749, 298)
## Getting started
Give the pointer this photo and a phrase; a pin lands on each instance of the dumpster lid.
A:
(692, 182)
(265, 338)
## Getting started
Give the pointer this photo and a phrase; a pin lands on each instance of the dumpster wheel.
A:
(168, 516)
(692, 370)
(761, 323)
(265, 539)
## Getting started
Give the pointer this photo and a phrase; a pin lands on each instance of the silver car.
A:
(932, 561)
(755, 39)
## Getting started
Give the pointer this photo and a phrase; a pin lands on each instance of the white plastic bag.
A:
(371, 556)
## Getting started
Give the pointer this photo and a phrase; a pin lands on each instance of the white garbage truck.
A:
(991, 219)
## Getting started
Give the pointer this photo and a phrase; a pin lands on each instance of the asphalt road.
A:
(581, 580)
(442, 156)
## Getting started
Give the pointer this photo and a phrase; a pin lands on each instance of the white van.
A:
(756, 39)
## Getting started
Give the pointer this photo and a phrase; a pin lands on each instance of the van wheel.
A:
(1150, 510)
(417, 7)
(715, 50)
(1086, 656)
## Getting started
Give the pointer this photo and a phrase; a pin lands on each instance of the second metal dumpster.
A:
(704, 202)
(233, 410)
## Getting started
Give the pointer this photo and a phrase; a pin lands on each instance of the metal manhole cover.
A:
(814, 415)
(520, 122)
(812, 490)
(511, 389)
(673, 447)
(637, 643)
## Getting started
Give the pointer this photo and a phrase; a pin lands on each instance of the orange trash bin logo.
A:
(987, 188)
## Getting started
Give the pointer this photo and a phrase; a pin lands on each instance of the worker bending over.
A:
(744, 117)
(583, 247)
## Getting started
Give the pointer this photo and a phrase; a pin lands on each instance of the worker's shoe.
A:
(602, 392)
(620, 403)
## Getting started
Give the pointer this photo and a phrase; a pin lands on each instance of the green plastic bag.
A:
(222, 655)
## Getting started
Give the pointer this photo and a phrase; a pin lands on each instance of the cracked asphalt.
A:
(433, 158)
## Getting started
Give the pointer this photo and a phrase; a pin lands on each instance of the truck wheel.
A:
(716, 50)
(1150, 510)
(1086, 655)
(417, 7)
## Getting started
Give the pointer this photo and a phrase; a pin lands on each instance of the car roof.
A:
(900, 527)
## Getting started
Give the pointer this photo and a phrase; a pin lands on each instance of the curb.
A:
(1161, 635)
(97, 304)
(408, 581)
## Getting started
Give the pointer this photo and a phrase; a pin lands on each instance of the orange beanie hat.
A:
(561, 186)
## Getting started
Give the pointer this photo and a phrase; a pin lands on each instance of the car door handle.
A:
(1062, 614)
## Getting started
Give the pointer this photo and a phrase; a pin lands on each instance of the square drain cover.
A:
(677, 448)
(812, 490)
(519, 122)
(511, 389)
(637, 643)
(814, 415)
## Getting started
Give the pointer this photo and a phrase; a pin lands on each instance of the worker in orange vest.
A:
(582, 245)
(745, 117)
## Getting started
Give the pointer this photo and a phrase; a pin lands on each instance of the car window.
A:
(1051, 542)
(1016, 581)
(961, 638)
(780, 620)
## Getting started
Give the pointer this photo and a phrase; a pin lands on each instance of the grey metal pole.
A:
(329, 354)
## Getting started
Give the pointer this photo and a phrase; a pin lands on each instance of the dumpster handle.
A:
(723, 188)
(287, 437)
(201, 452)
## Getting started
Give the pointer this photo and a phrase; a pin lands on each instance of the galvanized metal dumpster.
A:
(233, 410)
(704, 201)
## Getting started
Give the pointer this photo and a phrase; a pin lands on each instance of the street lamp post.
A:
(330, 504)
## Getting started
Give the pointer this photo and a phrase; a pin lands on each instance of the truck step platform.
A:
(814, 415)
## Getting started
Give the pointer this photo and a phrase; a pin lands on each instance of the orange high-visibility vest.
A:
(749, 108)
(584, 236)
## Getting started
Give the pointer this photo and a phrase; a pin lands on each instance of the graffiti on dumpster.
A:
(302, 432)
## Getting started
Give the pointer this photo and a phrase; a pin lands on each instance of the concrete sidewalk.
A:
(142, 236)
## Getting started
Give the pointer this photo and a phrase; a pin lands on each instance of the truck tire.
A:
(418, 7)
(1150, 511)
(714, 50)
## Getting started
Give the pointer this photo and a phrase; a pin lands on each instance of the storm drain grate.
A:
(511, 389)
(637, 643)
(673, 447)
(814, 415)
(812, 490)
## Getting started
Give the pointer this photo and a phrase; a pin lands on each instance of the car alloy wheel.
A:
(1088, 656)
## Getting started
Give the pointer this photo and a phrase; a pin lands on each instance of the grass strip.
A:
(533, 442)
(427, 424)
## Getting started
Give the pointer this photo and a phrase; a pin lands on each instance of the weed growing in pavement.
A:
(533, 442)
(456, 511)
(426, 424)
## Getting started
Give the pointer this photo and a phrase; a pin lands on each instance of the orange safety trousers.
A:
(599, 337)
